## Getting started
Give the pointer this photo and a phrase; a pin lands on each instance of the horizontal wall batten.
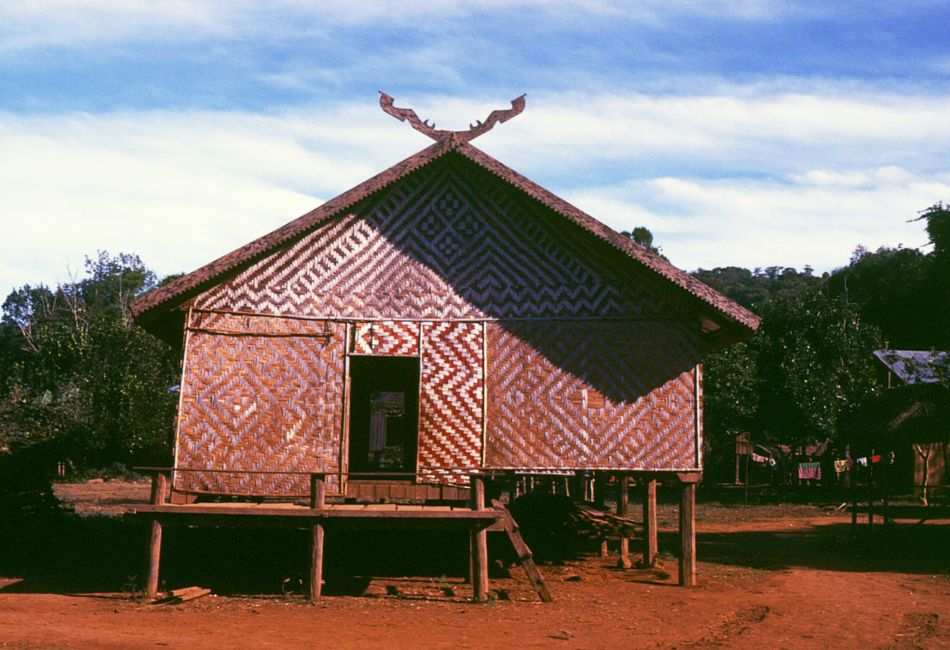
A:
(668, 317)
(273, 335)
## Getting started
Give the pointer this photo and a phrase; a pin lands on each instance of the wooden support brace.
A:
(155, 542)
(479, 544)
(318, 492)
(687, 535)
(525, 557)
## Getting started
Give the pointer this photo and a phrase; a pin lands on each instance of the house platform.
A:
(319, 517)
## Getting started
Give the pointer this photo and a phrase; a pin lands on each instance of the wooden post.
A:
(318, 490)
(623, 499)
(650, 549)
(885, 463)
(600, 487)
(854, 497)
(155, 542)
(688, 535)
(479, 544)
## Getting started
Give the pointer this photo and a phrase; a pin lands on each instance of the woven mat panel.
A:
(260, 403)
(450, 431)
(385, 338)
(591, 395)
(450, 241)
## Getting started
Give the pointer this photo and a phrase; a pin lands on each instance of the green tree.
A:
(642, 236)
(937, 217)
(815, 361)
(890, 288)
(79, 377)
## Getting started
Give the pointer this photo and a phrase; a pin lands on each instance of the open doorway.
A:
(384, 415)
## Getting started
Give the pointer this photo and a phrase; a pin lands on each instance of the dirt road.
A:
(769, 577)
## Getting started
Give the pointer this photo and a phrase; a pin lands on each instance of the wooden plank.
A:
(687, 535)
(331, 512)
(479, 542)
(650, 545)
(192, 595)
(623, 497)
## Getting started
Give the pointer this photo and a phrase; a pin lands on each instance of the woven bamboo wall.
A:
(271, 401)
(456, 248)
(592, 395)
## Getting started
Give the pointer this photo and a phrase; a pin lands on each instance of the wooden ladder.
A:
(525, 557)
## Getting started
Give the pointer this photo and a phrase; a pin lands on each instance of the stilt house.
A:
(445, 316)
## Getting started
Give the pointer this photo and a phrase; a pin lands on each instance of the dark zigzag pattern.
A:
(439, 245)
(536, 419)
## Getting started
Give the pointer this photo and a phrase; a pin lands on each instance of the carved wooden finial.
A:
(473, 131)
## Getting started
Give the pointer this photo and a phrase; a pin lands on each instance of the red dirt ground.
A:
(769, 576)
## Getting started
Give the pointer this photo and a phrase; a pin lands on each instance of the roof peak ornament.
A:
(453, 137)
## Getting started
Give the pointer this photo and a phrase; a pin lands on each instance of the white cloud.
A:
(759, 223)
(756, 177)
(68, 23)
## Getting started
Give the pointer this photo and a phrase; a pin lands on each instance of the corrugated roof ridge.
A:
(648, 258)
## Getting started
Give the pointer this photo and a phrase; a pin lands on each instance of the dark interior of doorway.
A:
(384, 416)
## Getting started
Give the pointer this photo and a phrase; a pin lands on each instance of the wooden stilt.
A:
(623, 498)
(155, 542)
(688, 535)
(317, 502)
(479, 544)
(650, 546)
(600, 485)
(854, 501)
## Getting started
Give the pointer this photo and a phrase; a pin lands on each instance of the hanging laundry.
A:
(876, 458)
(759, 459)
(841, 466)
(808, 471)
(863, 461)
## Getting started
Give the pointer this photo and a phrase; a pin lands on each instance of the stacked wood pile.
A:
(558, 528)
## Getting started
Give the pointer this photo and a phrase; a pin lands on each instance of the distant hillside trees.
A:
(811, 363)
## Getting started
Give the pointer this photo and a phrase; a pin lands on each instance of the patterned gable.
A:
(449, 241)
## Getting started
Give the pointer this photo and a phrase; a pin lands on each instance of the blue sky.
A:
(752, 133)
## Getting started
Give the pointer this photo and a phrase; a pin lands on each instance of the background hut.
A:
(911, 419)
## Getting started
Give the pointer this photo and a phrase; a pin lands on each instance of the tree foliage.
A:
(78, 376)
(811, 362)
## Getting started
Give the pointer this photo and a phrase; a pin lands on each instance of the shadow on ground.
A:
(902, 548)
(53, 550)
